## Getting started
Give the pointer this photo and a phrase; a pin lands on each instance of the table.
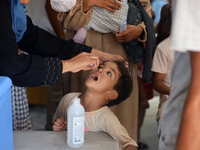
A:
(51, 140)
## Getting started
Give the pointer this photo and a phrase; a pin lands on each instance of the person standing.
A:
(127, 112)
(44, 61)
(180, 121)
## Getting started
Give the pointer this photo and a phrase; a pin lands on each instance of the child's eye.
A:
(109, 73)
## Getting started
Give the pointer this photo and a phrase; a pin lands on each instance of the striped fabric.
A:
(105, 21)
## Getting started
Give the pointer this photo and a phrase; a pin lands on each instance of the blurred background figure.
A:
(163, 60)
(157, 6)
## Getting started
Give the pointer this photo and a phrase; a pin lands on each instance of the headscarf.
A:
(18, 18)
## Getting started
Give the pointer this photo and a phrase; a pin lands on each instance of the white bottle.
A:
(75, 124)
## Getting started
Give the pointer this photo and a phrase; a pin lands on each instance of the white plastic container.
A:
(75, 124)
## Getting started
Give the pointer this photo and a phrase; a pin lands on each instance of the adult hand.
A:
(131, 33)
(82, 61)
(110, 5)
(60, 125)
(103, 56)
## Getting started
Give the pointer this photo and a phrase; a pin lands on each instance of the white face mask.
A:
(62, 5)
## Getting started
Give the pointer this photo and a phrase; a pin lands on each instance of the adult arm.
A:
(24, 70)
(110, 5)
(37, 41)
(135, 32)
(52, 15)
(82, 13)
(189, 133)
(42, 65)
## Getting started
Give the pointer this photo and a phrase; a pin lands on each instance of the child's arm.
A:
(158, 83)
(60, 125)
(110, 124)
(60, 116)
(161, 66)
(82, 12)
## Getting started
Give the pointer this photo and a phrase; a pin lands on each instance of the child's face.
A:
(104, 78)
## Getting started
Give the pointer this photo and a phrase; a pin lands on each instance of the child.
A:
(106, 86)
(163, 61)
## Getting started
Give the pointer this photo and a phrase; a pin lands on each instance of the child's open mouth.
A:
(94, 77)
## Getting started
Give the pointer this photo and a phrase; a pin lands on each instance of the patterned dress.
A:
(20, 109)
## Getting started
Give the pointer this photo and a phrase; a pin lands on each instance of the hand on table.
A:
(60, 125)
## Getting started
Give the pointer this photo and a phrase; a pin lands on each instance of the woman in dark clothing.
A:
(48, 56)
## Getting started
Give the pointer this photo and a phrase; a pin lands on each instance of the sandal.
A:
(142, 146)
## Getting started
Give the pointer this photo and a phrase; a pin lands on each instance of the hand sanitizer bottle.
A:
(75, 124)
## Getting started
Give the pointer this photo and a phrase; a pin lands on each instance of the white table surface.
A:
(50, 140)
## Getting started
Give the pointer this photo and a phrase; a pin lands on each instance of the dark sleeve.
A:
(40, 67)
(40, 42)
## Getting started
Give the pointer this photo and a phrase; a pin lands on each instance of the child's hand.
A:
(60, 125)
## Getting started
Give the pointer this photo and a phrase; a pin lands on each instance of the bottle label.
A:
(78, 130)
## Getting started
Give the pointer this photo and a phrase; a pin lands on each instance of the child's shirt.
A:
(102, 119)
(162, 63)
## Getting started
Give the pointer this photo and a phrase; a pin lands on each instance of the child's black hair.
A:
(124, 85)
(164, 25)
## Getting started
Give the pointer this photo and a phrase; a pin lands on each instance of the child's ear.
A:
(112, 94)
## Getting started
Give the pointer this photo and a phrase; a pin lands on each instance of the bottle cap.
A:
(76, 100)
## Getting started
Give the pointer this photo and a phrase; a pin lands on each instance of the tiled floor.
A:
(148, 131)
(149, 128)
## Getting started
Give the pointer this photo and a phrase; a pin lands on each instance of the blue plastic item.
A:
(6, 130)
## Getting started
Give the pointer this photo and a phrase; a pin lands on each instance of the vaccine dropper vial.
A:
(75, 124)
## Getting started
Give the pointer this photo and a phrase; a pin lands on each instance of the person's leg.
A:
(143, 105)
(141, 116)
(54, 95)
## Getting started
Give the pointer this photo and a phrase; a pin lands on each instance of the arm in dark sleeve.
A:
(40, 42)
(39, 67)
(24, 70)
